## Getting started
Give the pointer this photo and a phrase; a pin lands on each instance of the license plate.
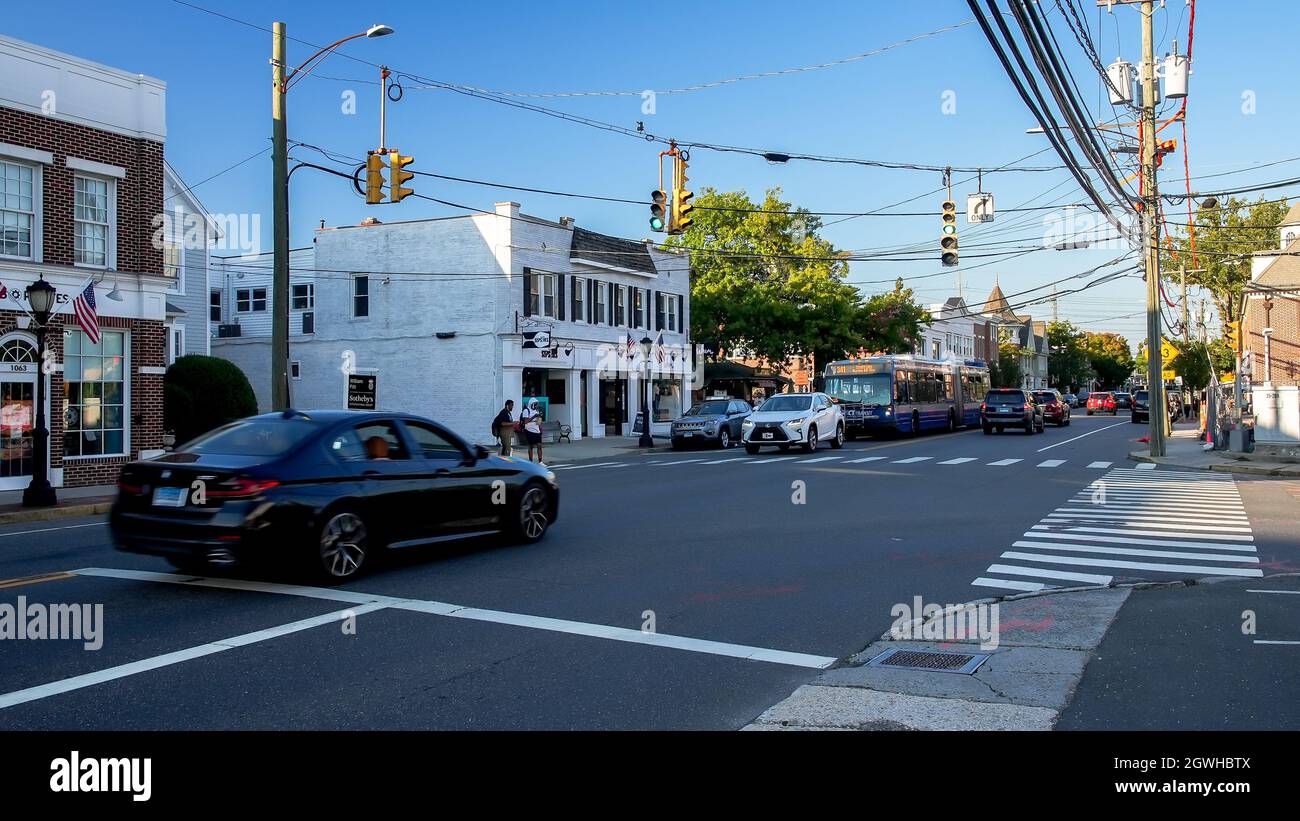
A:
(767, 435)
(169, 497)
(688, 433)
(1006, 407)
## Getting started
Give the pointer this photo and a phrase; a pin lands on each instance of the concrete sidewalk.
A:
(73, 501)
(609, 447)
(1184, 450)
(1045, 639)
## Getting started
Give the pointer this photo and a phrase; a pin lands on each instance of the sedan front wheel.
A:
(532, 515)
(343, 546)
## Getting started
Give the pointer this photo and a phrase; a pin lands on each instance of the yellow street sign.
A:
(1167, 350)
(1168, 375)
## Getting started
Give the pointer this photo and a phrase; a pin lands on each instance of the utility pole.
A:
(1150, 235)
(1187, 326)
(280, 222)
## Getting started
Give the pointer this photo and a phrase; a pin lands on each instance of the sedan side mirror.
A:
(481, 452)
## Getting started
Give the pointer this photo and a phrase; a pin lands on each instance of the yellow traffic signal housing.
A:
(658, 213)
(396, 176)
(374, 179)
(1232, 333)
(682, 205)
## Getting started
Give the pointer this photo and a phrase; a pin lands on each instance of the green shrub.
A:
(204, 392)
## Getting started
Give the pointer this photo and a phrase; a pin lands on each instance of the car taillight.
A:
(129, 489)
(984, 406)
(240, 487)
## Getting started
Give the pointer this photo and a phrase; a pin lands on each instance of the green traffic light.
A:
(656, 224)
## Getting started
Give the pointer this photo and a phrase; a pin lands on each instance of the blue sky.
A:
(884, 107)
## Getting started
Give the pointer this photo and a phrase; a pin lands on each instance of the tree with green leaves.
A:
(1009, 372)
(1110, 357)
(1068, 363)
(762, 280)
(1226, 235)
(1196, 359)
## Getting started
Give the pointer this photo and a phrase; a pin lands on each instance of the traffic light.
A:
(948, 242)
(1232, 333)
(657, 214)
(396, 176)
(374, 179)
(682, 205)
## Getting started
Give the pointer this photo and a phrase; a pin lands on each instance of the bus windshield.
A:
(869, 389)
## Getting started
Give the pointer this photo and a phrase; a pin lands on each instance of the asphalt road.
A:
(755, 572)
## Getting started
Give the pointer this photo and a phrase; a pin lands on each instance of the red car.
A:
(1055, 409)
(1103, 402)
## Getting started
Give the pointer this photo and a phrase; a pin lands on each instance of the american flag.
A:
(631, 346)
(84, 306)
(659, 348)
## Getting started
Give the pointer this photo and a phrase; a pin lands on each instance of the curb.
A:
(52, 513)
(1239, 466)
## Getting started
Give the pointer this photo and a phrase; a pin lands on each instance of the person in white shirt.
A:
(531, 418)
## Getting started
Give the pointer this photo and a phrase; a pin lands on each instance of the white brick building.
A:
(447, 314)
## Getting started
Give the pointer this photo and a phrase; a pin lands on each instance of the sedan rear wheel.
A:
(343, 546)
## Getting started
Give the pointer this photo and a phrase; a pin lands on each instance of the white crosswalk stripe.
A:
(865, 459)
(1004, 462)
(961, 461)
(724, 461)
(911, 460)
(821, 459)
(1051, 463)
(1099, 465)
(1134, 526)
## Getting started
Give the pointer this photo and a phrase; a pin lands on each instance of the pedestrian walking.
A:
(503, 428)
(531, 418)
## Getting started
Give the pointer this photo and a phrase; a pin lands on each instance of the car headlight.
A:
(747, 424)
(795, 423)
(889, 411)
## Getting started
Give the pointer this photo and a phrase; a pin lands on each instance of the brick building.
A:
(81, 182)
(1272, 301)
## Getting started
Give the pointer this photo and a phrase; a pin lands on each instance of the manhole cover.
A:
(929, 660)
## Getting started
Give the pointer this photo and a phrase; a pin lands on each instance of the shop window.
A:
(94, 388)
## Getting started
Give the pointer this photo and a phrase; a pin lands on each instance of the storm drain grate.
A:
(930, 661)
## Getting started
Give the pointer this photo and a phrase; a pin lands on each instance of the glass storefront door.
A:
(17, 419)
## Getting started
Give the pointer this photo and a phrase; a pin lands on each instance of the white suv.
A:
(804, 419)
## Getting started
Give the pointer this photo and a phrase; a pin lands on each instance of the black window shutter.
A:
(591, 301)
(528, 283)
(559, 296)
(659, 312)
(576, 297)
(681, 317)
(613, 317)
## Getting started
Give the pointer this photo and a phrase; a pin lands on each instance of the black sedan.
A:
(326, 491)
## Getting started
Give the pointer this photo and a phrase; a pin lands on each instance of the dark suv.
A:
(1142, 407)
(712, 421)
(1004, 408)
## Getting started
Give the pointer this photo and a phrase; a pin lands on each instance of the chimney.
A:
(508, 209)
(566, 222)
(370, 221)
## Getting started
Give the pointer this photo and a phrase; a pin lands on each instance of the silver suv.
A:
(803, 419)
(712, 421)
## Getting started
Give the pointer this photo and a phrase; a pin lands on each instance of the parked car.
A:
(1123, 401)
(1071, 400)
(1102, 402)
(1142, 407)
(325, 491)
(1055, 409)
(1004, 408)
(713, 421)
(787, 419)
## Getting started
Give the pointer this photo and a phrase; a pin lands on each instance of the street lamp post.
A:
(282, 79)
(646, 440)
(39, 492)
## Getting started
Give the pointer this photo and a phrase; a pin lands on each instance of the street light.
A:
(646, 440)
(283, 79)
(39, 492)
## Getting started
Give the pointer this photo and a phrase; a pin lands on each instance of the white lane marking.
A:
(678, 462)
(959, 461)
(1264, 641)
(580, 467)
(1138, 521)
(1051, 463)
(1080, 436)
(1130, 532)
(1189, 475)
(865, 459)
(1008, 584)
(1159, 514)
(1287, 592)
(772, 459)
(48, 529)
(498, 616)
(1100, 464)
(820, 459)
(1013, 570)
(724, 461)
(1160, 567)
(66, 685)
(602, 631)
(1051, 534)
(911, 459)
(1004, 462)
(1146, 466)
(1134, 551)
